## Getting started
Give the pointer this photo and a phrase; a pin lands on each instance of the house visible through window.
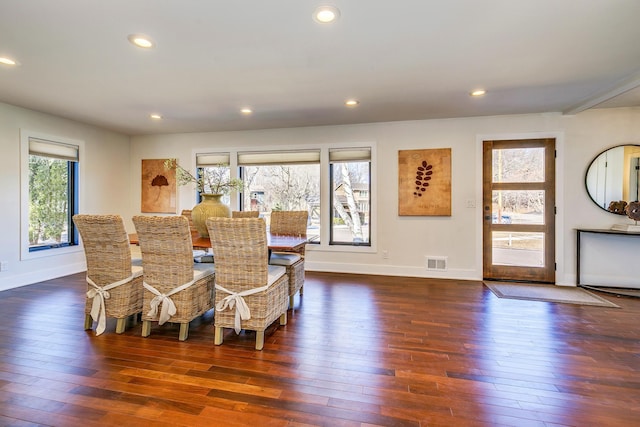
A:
(293, 179)
(53, 194)
(287, 181)
(350, 196)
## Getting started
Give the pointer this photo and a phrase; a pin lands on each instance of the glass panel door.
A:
(518, 210)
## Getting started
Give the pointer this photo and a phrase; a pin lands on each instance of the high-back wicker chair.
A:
(187, 214)
(198, 252)
(175, 289)
(245, 214)
(290, 223)
(114, 285)
(250, 294)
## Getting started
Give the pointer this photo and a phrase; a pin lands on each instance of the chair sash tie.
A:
(236, 299)
(99, 295)
(168, 306)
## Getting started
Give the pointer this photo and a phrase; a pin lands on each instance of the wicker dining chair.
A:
(290, 223)
(198, 252)
(245, 214)
(175, 289)
(114, 285)
(250, 293)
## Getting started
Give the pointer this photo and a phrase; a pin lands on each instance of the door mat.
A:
(548, 293)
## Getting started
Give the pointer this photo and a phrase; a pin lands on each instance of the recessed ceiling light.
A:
(156, 116)
(326, 14)
(141, 40)
(351, 102)
(478, 92)
(7, 61)
(246, 111)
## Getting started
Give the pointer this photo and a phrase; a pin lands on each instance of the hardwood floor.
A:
(357, 351)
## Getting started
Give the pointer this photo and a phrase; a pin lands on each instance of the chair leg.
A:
(291, 302)
(184, 331)
(301, 289)
(259, 340)
(283, 319)
(88, 322)
(146, 328)
(120, 325)
(217, 338)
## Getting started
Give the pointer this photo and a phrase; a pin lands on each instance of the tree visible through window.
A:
(290, 180)
(52, 194)
(350, 183)
(284, 188)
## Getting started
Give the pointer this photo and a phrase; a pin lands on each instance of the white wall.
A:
(409, 239)
(112, 185)
(105, 173)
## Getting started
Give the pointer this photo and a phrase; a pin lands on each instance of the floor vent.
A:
(436, 263)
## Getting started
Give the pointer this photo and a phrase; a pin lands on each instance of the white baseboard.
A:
(24, 279)
(391, 270)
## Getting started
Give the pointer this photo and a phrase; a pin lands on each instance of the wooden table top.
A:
(275, 242)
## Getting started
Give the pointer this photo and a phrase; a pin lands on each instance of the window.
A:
(350, 175)
(215, 166)
(332, 184)
(283, 180)
(52, 194)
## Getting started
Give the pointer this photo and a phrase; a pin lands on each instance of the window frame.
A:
(76, 172)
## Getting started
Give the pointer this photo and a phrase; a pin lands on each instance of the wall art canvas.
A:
(424, 182)
(158, 187)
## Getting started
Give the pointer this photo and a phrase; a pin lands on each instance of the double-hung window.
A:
(350, 183)
(52, 194)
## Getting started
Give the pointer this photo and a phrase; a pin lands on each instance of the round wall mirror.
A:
(614, 176)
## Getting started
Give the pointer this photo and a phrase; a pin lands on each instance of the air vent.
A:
(436, 263)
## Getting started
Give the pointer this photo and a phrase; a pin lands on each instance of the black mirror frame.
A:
(586, 175)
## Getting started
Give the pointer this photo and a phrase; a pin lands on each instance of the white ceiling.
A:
(403, 59)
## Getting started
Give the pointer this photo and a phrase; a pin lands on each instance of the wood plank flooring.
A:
(357, 351)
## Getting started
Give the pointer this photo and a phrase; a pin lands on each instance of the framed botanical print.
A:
(424, 182)
(158, 187)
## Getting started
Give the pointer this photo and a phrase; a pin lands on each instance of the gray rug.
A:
(549, 293)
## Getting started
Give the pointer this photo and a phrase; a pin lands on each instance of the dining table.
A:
(275, 242)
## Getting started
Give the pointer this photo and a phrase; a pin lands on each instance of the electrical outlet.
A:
(4, 265)
(471, 203)
(385, 254)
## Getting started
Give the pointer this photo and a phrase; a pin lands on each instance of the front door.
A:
(518, 210)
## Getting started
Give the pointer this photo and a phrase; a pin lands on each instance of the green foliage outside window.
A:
(48, 200)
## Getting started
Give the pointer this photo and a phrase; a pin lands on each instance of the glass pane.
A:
(48, 201)
(284, 187)
(517, 207)
(518, 249)
(351, 202)
(518, 165)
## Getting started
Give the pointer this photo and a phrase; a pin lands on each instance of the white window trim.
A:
(25, 135)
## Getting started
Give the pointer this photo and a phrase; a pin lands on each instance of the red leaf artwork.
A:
(423, 176)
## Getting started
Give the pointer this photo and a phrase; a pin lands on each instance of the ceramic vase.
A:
(211, 205)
